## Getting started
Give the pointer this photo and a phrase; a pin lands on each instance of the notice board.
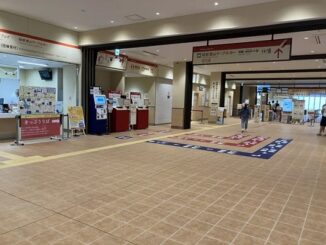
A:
(76, 117)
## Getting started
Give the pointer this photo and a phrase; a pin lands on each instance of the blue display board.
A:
(287, 105)
(266, 152)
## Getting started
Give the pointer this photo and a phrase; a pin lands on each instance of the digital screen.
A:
(287, 105)
(46, 75)
(263, 89)
(100, 100)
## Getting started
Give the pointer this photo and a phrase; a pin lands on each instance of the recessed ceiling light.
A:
(312, 51)
(157, 50)
(75, 27)
(157, 13)
(216, 3)
(111, 21)
(319, 67)
(317, 60)
(185, 59)
(306, 38)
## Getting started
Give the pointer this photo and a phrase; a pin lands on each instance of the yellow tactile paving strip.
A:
(15, 160)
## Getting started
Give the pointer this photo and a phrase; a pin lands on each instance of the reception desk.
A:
(8, 128)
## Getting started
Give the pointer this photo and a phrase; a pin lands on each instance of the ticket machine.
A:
(98, 114)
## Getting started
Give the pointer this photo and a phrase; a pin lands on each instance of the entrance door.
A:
(163, 109)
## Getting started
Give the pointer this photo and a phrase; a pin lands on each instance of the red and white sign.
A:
(273, 50)
(39, 126)
(109, 60)
(28, 45)
(113, 94)
(142, 68)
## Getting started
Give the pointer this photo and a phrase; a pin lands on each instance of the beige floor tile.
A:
(222, 234)
(244, 239)
(163, 229)
(148, 238)
(186, 237)
(282, 239)
(127, 232)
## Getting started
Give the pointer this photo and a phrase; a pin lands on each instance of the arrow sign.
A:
(243, 52)
(278, 52)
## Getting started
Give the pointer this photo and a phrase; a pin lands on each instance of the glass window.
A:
(317, 102)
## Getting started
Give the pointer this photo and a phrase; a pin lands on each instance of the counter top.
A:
(8, 115)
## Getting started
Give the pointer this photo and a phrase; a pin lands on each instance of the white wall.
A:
(69, 87)
(29, 26)
(110, 80)
(163, 109)
(144, 85)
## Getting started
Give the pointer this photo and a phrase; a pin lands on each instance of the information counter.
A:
(8, 128)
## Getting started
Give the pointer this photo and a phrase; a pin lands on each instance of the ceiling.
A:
(95, 14)
(304, 43)
(23, 62)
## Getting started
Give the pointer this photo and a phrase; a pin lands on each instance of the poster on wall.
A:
(109, 60)
(76, 117)
(23, 44)
(37, 100)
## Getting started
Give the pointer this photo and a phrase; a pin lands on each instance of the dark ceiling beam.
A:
(299, 26)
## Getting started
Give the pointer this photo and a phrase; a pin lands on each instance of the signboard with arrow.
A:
(260, 51)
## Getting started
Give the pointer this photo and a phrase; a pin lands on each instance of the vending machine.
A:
(98, 113)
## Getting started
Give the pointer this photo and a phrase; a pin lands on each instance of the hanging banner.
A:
(28, 45)
(142, 68)
(40, 126)
(109, 60)
(273, 50)
(76, 117)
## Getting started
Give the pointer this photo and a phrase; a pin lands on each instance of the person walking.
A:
(323, 120)
(244, 115)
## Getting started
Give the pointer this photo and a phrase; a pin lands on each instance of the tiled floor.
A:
(141, 193)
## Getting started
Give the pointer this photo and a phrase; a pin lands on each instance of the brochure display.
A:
(142, 118)
(37, 100)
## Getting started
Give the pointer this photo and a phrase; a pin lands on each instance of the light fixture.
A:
(111, 21)
(75, 27)
(31, 63)
(312, 51)
(21, 67)
(317, 60)
(157, 13)
(157, 50)
(216, 3)
(306, 38)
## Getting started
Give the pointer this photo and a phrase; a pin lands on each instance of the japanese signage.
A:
(40, 126)
(110, 60)
(23, 44)
(142, 68)
(273, 50)
(76, 117)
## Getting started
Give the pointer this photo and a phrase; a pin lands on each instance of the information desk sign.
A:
(273, 50)
(39, 126)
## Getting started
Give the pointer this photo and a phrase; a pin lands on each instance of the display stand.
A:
(298, 111)
(142, 118)
(120, 120)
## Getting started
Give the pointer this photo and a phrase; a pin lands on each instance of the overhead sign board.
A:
(28, 45)
(108, 59)
(273, 50)
(142, 68)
